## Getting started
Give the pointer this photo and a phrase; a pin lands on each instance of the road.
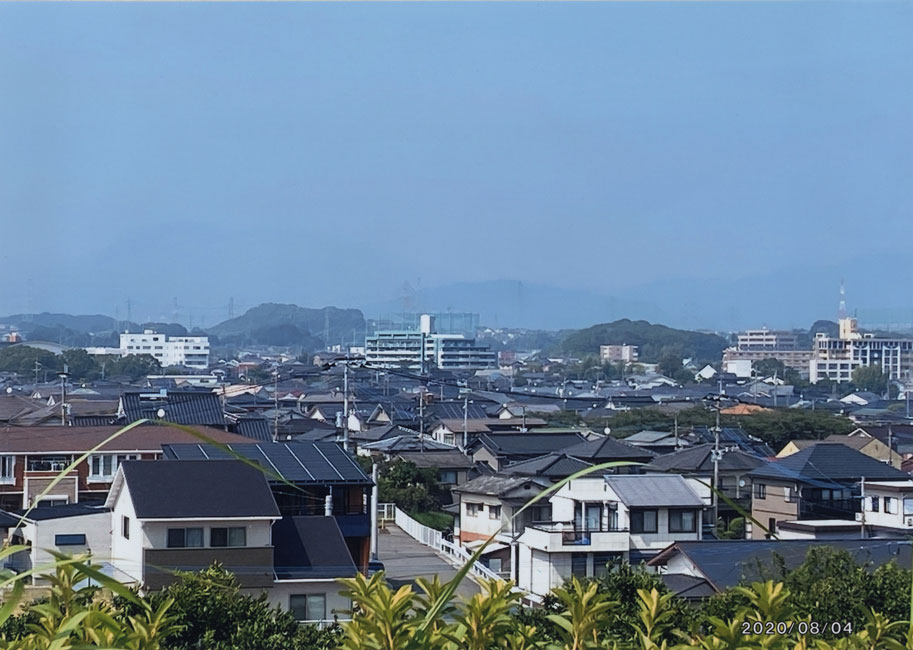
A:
(406, 559)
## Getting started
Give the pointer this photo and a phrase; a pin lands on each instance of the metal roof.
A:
(180, 407)
(298, 462)
(652, 490)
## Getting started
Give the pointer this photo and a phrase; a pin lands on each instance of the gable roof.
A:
(452, 459)
(605, 449)
(527, 444)
(552, 466)
(299, 462)
(180, 406)
(700, 459)
(205, 489)
(645, 490)
(310, 547)
(828, 461)
(498, 485)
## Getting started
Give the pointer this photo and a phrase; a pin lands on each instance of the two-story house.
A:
(307, 479)
(820, 482)
(31, 457)
(168, 516)
(595, 520)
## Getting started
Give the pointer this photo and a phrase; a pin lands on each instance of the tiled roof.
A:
(605, 449)
(553, 466)
(149, 437)
(828, 461)
(644, 490)
(180, 406)
(699, 459)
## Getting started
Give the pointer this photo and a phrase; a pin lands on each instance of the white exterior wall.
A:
(42, 534)
(336, 604)
(882, 518)
(482, 523)
(155, 533)
(126, 554)
(540, 572)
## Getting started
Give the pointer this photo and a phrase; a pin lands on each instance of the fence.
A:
(434, 539)
(386, 512)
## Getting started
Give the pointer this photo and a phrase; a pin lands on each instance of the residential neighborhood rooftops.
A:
(553, 466)
(190, 489)
(605, 448)
(700, 459)
(496, 485)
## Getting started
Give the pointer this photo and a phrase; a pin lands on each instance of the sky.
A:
(329, 153)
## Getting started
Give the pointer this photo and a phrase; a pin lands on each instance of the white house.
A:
(595, 520)
(889, 505)
(187, 351)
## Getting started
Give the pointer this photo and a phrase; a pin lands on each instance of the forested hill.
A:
(275, 322)
(654, 341)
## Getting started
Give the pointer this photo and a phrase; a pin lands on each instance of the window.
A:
(48, 463)
(907, 506)
(873, 504)
(472, 509)
(52, 502)
(125, 527)
(601, 562)
(494, 512)
(495, 564)
(70, 540)
(541, 513)
(101, 466)
(308, 607)
(228, 536)
(185, 537)
(682, 521)
(890, 505)
(760, 491)
(578, 564)
(7, 469)
(643, 521)
(448, 477)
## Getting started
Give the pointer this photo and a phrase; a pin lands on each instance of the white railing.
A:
(386, 512)
(455, 552)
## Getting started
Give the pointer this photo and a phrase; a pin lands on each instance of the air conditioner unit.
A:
(858, 516)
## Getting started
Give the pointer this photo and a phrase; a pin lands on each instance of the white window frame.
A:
(7, 470)
(116, 460)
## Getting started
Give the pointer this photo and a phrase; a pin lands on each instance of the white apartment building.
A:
(837, 358)
(187, 351)
(757, 345)
(614, 353)
(765, 339)
(424, 348)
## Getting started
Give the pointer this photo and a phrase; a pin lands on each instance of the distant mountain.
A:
(283, 324)
(653, 340)
(512, 303)
(83, 324)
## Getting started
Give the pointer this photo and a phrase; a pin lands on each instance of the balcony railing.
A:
(572, 535)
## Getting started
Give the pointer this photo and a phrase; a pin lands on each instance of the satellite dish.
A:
(160, 413)
(742, 482)
(9, 390)
(607, 430)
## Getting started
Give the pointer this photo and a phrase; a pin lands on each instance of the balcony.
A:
(564, 536)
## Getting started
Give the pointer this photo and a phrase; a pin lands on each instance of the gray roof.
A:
(553, 466)
(211, 489)
(828, 462)
(644, 490)
(646, 437)
(310, 547)
(727, 563)
(605, 449)
(496, 485)
(453, 459)
(699, 459)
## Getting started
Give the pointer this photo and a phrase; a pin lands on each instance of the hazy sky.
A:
(326, 153)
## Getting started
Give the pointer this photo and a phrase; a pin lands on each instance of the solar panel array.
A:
(298, 462)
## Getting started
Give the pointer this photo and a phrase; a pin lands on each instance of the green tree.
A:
(81, 365)
(870, 378)
(133, 366)
(214, 614)
(21, 360)
(769, 368)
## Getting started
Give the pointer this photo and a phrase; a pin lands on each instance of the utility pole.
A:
(345, 404)
(890, 445)
(716, 464)
(275, 407)
(675, 429)
(37, 369)
(63, 394)
(421, 418)
(465, 421)
(862, 506)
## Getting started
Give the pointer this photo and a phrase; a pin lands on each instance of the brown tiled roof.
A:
(19, 440)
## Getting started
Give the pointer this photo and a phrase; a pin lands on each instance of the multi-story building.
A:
(424, 348)
(186, 351)
(757, 345)
(615, 353)
(837, 358)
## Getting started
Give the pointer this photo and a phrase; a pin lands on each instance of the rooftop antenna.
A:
(129, 310)
(841, 311)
